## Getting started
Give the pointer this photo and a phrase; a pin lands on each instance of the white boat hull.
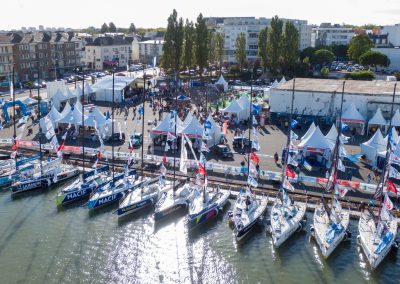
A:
(283, 228)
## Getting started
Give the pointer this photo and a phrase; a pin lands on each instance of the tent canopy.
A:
(352, 115)
(332, 134)
(316, 141)
(214, 132)
(73, 117)
(396, 118)
(193, 129)
(183, 98)
(233, 107)
(29, 101)
(221, 82)
(66, 110)
(244, 102)
(395, 135)
(96, 118)
(377, 141)
(310, 130)
(378, 118)
(166, 126)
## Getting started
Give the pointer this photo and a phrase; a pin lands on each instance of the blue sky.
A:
(153, 13)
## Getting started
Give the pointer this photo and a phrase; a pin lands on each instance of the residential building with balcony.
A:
(393, 32)
(108, 51)
(328, 34)
(149, 49)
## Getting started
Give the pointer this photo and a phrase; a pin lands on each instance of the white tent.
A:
(275, 84)
(234, 108)
(332, 134)
(187, 119)
(104, 88)
(66, 110)
(374, 145)
(54, 115)
(283, 81)
(166, 126)
(395, 135)
(396, 118)
(96, 118)
(244, 102)
(73, 117)
(377, 119)
(352, 115)
(310, 130)
(57, 98)
(193, 129)
(214, 132)
(316, 142)
(221, 82)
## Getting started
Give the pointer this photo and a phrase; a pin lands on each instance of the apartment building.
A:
(305, 31)
(149, 49)
(43, 55)
(108, 51)
(328, 34)
(393, 32)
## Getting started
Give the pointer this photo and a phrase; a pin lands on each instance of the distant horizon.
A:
(83, 14)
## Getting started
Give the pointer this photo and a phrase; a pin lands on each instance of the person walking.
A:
(276, 158)
(349, 175)
(369, 177)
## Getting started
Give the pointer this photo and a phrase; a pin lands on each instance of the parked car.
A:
(224, 151)
(239, 141)
(136, 140)
(115, 138)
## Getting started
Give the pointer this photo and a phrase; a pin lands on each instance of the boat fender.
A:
(48, 182)
(300, 227)
(312, 228)
(230, 214)
(358, 240)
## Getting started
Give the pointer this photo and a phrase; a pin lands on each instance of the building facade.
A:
(38, 55)
(108, 51)
(148, 50)
(328, 34)
(393, 34)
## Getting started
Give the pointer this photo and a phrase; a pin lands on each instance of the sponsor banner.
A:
(6, 141)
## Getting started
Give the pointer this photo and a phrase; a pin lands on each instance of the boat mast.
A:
(336, 152)
(176, 138)
(205, 161)
(40, 128)
(286, 157)
(385, 171)
(83, 121)
(250, 127)
(12, 93)
(112, 124)
(143, 103)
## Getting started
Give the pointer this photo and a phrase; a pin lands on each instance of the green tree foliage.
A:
(219, 49)
(397, 75)
(290, 47)
(240, 52)
(104, 28)
(188, 49)
(211, 46)
(173, 43)
(339, 50)
(359, 45)
(274, 45)
(324, 72)
(112, 28)
(374, 58)
(201, 48)
(262, 47)
(323, 56)
(132, 28)
(361, 75)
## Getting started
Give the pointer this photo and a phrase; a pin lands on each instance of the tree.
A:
(173, 43)
(340, 51)
(201, 48)
(274, 45)
(262, 47)
(112, 28)
(188, 49)
(290, 47)
(211, 46)
(374, 58)
(219, 49)
(323, 56)
(324, 72)
(104, 28)
(359, 45)
(240, 52)
(132, 28)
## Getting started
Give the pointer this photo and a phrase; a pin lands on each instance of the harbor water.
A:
(41, 244)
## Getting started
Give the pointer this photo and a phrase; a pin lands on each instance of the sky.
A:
(84, 13)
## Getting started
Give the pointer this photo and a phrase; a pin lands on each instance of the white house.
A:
(149, 49)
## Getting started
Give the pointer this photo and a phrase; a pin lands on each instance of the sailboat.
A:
(330, 224)
(377, 235)
(286, 216)
(84, 186)
(248, 209)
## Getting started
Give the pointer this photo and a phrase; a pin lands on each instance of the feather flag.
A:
(204, 147)
(287, 185)
(163, 170)
(98, 155)
(391, 187)
(183, 159)
(293, 136)
(251, 181)
(293, 124)
(345, 127)
(341, 190)
(207, 124)
(201, 169)
(290, 173)
(13, 155)
(387, 202)
(170, 137)
(292, 161)
(164, 159)
(341, 167)
(393, 173)
(254, 157)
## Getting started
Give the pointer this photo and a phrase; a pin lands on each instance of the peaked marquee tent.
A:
(373, 146)
(316, 142)
(310, 130)
(221, 82)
